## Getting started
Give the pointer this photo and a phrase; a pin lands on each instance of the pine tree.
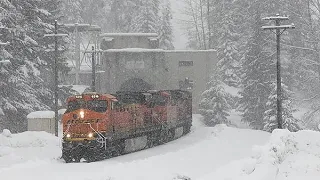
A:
(71, 10)
(22, 89)
(18, 93)
(258, 70)
(46, 52)
(146, 21)
(228, 53)
(165, 31)
(270, 119)
(91, 10)
(214, 106)
(122, 13)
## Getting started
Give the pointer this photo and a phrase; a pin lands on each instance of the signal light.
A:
(79, 96)
(95, 96)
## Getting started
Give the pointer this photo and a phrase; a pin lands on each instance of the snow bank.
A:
(287, 155)
(27, 139)
(26, 146)
(6, 133)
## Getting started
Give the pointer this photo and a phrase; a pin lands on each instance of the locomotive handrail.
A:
(100, 135)
(66, 132)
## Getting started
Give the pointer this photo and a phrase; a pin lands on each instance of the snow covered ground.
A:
(35, 155)
(287, 155)
(207, 153)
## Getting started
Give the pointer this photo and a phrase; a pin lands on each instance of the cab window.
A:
(75, 105)
(97, 105)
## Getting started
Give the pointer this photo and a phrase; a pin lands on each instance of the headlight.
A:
(90, 135)
(81, 114)
(68, 135)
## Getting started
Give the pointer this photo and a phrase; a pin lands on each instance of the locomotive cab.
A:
(86, 113)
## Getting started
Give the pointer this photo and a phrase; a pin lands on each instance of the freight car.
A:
(99, 126)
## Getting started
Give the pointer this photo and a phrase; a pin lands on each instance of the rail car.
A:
(99, 126)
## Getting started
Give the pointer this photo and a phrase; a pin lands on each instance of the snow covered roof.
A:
(79, 88)
(134, 50)
(5, 62)
(61, 111)
(190, 51)
(41, 114)
(129, 34)
(81, 27)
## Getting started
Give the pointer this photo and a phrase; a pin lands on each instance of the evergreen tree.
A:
(214, 106)
(91, 11)
(270, 119)
(146, 21)
(258, 70)
(22, 88)
(19, 93)
(71, 10)
(165, 31)
(46, 52)
(122, 13)
(228, 53)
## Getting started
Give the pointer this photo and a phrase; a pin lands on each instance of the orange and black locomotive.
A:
(98, 126)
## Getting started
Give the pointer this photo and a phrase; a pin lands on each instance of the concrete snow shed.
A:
(41, 121)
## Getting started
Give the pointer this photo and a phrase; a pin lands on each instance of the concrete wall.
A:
(41, 124)
(120, 67)
(199, 72)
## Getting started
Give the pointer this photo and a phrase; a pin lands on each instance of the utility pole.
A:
(209, 23)
(78, 58)
(93, 65)
(76, 29)
(279, 30)
(93, 88)
(56, 35)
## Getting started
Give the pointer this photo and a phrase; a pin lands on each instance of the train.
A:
(98, 126)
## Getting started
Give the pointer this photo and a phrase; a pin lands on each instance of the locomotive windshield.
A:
(93, 105)
(97, 105)
(75, 105)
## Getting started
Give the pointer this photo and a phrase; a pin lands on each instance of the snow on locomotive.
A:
(99, 126)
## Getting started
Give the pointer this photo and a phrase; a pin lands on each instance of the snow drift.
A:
(22, 147)
(287, 155)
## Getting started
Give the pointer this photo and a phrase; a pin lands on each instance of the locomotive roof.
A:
(109, 96)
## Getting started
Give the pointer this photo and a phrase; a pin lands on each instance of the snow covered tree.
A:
(46, 52)
(71, 10)
(197, 25)
(91, 11)
(165, 31)
(22, 89)
(214, 106)
(18, 93)
(147, 20)
(122, 13)
(228, 53)
(270, 118)
(258, 70)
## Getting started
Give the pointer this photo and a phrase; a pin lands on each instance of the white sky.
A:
(180, 38)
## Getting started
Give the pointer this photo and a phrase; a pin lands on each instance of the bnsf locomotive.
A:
(99, 126)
